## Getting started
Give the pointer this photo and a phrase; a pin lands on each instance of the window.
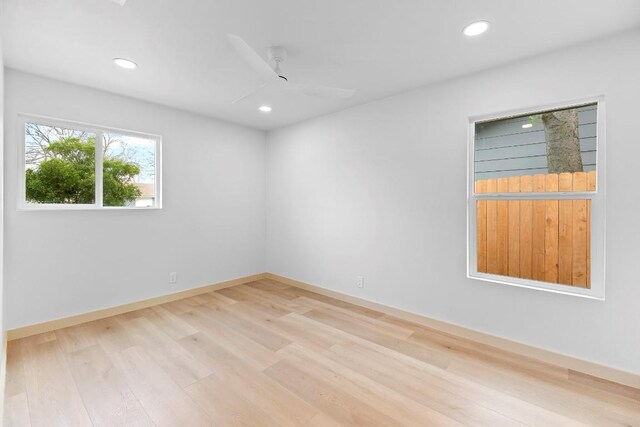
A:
(536, 199)
(66, 165)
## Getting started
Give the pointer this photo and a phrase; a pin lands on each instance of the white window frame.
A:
(99, 131)
(597, 289)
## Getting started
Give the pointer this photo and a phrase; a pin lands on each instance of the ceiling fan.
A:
(274, 77)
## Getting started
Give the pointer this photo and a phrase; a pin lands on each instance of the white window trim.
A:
(597, 290)
(23, 205)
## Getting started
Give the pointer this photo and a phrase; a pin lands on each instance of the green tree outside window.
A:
(67, 175)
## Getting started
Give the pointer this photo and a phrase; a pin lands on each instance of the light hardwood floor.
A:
(267, 354)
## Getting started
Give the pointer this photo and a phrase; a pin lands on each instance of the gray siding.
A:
(503, 148)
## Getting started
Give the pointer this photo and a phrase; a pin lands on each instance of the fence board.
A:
(514, 229)
(580, 225)
(539, 212)
(492, 229)
(503, 228)
(481, 187)
(551, 231)
(565, 231)
(591, 181)
(526, 229)
(591, 186)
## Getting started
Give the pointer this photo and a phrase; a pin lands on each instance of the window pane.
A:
(556, 142)
(59, 165)
(544, 240)
(129, 171)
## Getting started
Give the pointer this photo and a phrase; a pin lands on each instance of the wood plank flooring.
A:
(267, 354)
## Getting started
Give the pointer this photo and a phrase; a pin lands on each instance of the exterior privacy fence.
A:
(547, 240)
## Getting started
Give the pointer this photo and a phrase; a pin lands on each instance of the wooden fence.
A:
(547, 240)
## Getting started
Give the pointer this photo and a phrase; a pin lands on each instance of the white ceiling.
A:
(379, 47)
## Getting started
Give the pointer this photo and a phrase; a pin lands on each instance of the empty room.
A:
(319, 213)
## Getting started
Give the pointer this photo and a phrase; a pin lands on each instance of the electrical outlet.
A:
(360, 281)
(173, 277)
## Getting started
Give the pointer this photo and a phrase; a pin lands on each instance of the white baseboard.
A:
(52, 325)
(565, 361)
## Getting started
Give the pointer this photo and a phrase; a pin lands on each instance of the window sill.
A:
(589, 293)
(25, 208)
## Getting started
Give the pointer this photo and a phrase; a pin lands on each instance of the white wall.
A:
(380, 191)
(211, 227)
(3, 353)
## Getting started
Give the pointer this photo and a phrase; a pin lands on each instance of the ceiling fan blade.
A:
(321, 91)
(253, 92)
(251, 57)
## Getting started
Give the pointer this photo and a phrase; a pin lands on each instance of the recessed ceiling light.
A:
(125, 63)
(527, 126)
(475, 28)
(265, 108)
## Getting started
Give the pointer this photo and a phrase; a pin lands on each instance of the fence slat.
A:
(539, 212)
(580, 225)
(591, 186)
(514, 228)
(503, 228)
(492, 229)
(565, 231)
(481, 244)
(526, 228)
(551, 231)
(591, 181)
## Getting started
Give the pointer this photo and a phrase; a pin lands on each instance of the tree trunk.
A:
(563, 141)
